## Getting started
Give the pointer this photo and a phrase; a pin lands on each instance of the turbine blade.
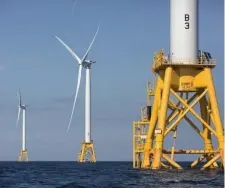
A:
(85, 56)
(19, 96)
(18, 117)
(75, 2)
(69, 49)
(75, 99)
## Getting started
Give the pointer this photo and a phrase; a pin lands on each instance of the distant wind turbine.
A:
(87, 65)
(23, 153)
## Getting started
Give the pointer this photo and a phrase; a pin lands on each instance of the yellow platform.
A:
(87, 153)
(188, 85)
(23, 156)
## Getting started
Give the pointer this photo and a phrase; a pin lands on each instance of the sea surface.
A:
(102, 174)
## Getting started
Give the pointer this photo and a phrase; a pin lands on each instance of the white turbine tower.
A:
(87, 145)
(23, 153)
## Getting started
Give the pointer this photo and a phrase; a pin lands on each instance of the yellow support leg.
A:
(165, 166)
(211, 162)
(156, 164)
(87, 153)
(134, 146)
(216, 113)
(152, 124)
(207, 135)
(172, 162)
(197, 161)
(23, 156)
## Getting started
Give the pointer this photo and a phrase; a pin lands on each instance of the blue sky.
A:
(31, 59)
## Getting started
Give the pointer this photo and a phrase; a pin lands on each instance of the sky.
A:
(34, 61)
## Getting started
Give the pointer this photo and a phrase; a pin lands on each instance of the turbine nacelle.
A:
(87, 63)
(23, 107)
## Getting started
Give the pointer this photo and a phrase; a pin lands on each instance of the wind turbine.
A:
(87, 145)
(23, 153)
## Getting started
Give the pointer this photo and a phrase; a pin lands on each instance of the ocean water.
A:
(101, 174)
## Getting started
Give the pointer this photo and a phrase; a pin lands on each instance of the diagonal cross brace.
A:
(194, 127)
(189, 108)
(185, 112)
(174, 113)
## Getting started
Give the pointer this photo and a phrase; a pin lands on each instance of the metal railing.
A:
(198, 61)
